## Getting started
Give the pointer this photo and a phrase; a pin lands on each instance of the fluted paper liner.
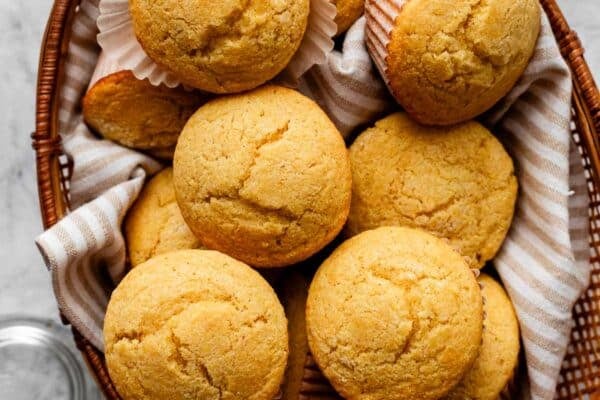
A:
(381, 15)
(106, 66)
(117, 39)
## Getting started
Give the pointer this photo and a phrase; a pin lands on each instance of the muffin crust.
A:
(263, 176)
(449, 61)
(457, 183)
(498, 357)
(394, 313)
(221, 47)
(136, 114)
(195, 324)
(154, 225)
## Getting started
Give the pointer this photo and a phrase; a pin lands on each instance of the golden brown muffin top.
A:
(394, 313)
(154, 225)
(195, 324)
(499, 354)
(456, 182)
(451, 60)
(137, 114)
(224, 46)
(263, 176)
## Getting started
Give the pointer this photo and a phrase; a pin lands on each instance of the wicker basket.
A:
(581, 370)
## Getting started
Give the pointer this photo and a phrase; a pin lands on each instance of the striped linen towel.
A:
(85, 252)
(347, 86)
(543, 263)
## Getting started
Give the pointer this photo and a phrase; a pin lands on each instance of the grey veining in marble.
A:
(24, 285)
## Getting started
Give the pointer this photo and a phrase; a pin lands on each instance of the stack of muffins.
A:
(262, 179)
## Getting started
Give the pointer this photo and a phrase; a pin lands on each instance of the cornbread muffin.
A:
(224, 46)
(293, 292)
(195, 324)
(348, 11)
(263, 176)
(457, 183)
(154, 224)
(499, 353)
(449, 61)
(394, 313)
(137, 114)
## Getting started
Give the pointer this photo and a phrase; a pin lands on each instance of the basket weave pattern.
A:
(581, 369)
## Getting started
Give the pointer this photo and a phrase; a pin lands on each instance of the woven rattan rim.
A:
(47, 143)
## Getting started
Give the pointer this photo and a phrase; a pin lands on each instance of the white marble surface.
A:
(24, 283)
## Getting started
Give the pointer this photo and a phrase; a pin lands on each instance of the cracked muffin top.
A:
(154, 225)
(456, 182)
(160, 112)
(448, 61)
(195, 324)
(263, 176)
(394, 313)
(498, 357)
(224, 46)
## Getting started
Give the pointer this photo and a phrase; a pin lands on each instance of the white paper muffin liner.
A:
(316, 44)
(381, 15)
(117, 39)
(106, 66)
